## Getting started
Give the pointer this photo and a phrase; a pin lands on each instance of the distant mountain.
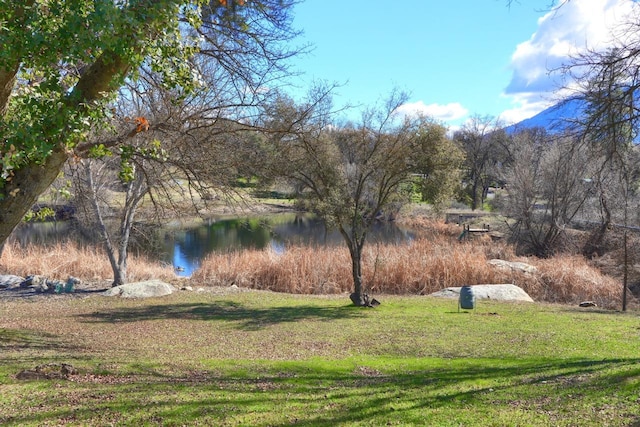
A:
(554, 119)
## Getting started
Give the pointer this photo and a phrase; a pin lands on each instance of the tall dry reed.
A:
(69, 259)
(424, 266)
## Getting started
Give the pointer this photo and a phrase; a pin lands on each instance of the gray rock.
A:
(516, 266)
(42, 284)
(146, 289)
(498, 292)
(37, 282)
(588, 304)
(10, 281)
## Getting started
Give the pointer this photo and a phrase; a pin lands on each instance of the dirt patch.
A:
(50, 371)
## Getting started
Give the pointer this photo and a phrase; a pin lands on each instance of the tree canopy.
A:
(354, 174)
(63, 61)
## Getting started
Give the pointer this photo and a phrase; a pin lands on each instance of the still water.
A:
(185, 248)
(188, 247)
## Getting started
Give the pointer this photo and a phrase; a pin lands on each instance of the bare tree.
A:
(607, 83)
(94, 182)
(548, 183)
(175, 162)
(351, 175)
(484, 145)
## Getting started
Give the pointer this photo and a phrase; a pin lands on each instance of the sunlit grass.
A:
(261, 358)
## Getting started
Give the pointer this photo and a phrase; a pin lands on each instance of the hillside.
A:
(554, 119)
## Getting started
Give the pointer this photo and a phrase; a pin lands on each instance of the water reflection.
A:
(186, 248)
(43, 233)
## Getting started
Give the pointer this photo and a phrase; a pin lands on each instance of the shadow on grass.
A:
(20, 349)
(18, 340)
(247, 318)
(307, 394)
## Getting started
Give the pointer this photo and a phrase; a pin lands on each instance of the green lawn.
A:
(263, 359)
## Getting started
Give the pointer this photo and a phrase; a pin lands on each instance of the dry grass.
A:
(571, 279)
(433, 261)
(68, 259)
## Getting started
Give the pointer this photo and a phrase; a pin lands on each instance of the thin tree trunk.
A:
(357, 296)
(102, 227)
(135, 193)
(594, 243)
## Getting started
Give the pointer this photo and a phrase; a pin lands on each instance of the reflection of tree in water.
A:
(308, 230)
(43, 233)
(305, 230)
(222, 236)
(274, 231)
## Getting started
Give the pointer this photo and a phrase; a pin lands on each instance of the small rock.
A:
(186, 288)
(39, 283)
(588, 304)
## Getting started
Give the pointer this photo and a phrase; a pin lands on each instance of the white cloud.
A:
(444, 113)
(562, 32)
(525, 105)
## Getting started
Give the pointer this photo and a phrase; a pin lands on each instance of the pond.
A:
(184, 248)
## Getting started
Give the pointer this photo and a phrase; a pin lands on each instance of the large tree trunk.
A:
(355, 244)
(22, 192)
(102, 77)
(32, 179)
(474, 195)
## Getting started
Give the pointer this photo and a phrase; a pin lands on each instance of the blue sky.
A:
(457, 58)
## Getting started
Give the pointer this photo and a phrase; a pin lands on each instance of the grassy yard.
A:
(267, 359)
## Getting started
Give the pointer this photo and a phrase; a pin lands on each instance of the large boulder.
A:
(146, 289)
(498, 292)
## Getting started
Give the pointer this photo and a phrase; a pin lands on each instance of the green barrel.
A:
(467, 298)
